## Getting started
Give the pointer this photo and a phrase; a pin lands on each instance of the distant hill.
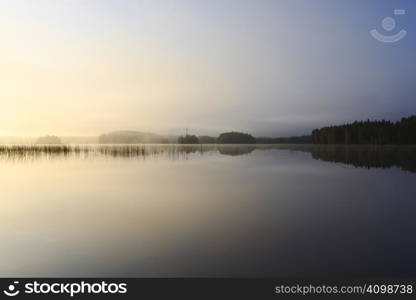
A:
(79, 139)
(64, 140)
(17, 140)
(131, 137)
(48, 139)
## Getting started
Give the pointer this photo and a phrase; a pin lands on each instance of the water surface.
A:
(243, 211)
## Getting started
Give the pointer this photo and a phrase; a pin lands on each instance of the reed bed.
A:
(36, 151)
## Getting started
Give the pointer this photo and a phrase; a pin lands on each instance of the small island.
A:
(188, 139)
(236, 138)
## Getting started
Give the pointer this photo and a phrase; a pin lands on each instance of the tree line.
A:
(368, 132)
(304, 139)
(224, 138)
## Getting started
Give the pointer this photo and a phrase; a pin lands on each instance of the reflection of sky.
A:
(268, 213)
(268, 67)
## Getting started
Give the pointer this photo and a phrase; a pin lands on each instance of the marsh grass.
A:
(39, 151)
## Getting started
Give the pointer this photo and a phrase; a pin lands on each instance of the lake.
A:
(207, 211)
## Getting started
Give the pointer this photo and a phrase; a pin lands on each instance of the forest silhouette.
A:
(368, 132)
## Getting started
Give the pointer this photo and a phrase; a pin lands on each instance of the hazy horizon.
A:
(270, 68)
(184, 131)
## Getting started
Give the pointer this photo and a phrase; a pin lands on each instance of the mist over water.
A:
(134, 210)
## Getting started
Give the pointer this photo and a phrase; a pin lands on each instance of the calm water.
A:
(286, 211)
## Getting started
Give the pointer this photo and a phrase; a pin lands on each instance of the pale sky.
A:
(268, 67)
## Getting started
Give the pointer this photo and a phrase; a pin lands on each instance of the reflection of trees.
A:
(363, 156)
(189, 149)
(369, 156)
(236, 150)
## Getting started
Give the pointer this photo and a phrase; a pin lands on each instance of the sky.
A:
(267, 67)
